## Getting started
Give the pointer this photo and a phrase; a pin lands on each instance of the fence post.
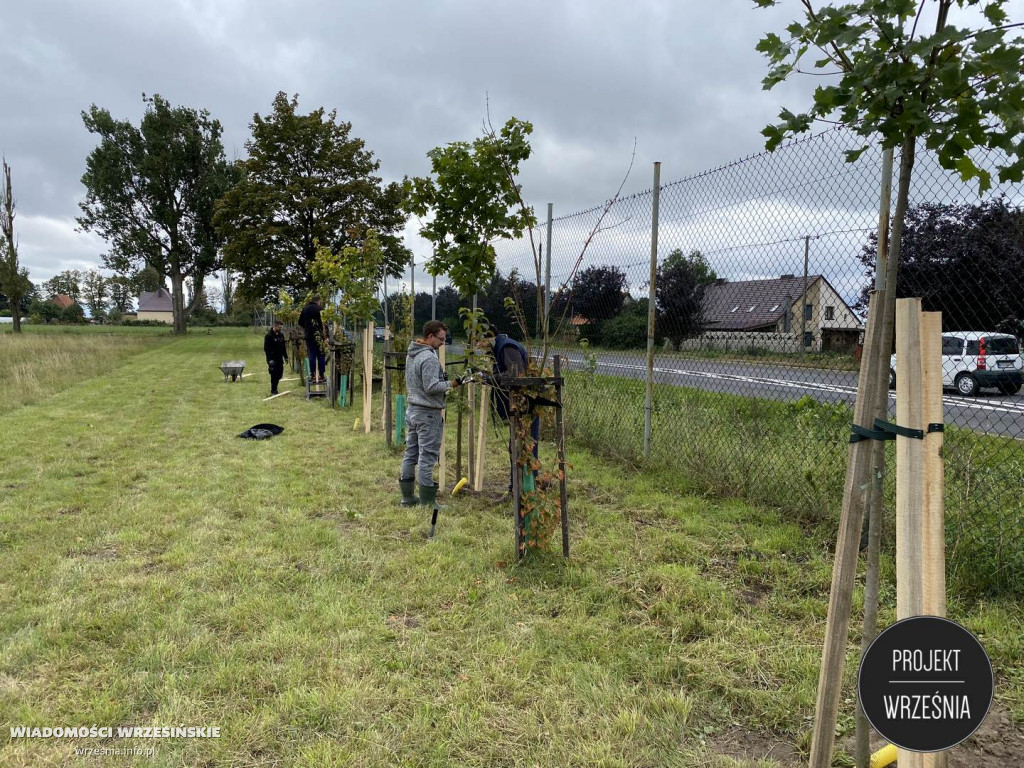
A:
(651, 295)
(368, 373)
(547, 284)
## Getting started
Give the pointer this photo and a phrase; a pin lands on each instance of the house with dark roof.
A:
(156, 305)
(787, 307)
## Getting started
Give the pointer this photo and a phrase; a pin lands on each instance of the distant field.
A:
(45, 360)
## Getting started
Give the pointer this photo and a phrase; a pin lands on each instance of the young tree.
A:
(14, 282)
(955, 88)
(95, 293)
(150, 192)
(474, 200)
(307, 181)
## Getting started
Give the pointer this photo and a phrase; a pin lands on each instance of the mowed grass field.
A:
(155, 570)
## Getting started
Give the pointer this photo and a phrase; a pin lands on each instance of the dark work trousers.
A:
(535, 434)
(317, 361)
(276, 370)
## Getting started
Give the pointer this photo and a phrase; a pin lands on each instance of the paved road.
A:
(990, 413)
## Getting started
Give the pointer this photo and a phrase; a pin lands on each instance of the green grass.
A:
(793, 456)
(156, 570)
(47, 359)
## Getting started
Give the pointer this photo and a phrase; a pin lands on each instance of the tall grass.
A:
(35, 365)
(793, 456)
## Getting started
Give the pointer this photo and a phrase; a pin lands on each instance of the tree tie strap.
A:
(886, 430)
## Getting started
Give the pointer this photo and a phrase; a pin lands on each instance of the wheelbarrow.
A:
(232, 369)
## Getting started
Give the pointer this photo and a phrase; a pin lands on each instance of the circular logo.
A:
(925, 684)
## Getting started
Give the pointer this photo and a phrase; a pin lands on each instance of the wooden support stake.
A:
(873, 376)
(368, 380)
(387, 402)
(909, 476)
(517, 481)
(560, 437)
(481, 438)
(384, 390)
(441, 468)
(471, 468)
(920, 527)
(934, 480)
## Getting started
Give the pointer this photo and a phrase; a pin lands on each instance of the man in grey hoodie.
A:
(425, 384)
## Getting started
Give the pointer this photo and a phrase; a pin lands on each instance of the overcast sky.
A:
(680, 76)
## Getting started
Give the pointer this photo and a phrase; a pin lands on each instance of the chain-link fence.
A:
(763, 267)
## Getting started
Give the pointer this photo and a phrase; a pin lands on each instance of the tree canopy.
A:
(680, 294)
(955, 86)
(966, 261)
(474, 199)
(307, 182)
(150, 192)
(598, 293)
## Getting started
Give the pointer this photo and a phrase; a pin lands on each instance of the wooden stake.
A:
(844, 570)
(560, 437)
(441, 468)
(909, 475)
(517, 481)
(279, 394)
(481, 438)
(471, 468)
(933, 533)
(385, 390)
(368, 380)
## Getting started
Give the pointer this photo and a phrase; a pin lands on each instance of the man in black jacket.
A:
(311, 322)
(276, 349)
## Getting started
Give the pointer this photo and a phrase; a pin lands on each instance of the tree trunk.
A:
(16, 316)
(178, 302)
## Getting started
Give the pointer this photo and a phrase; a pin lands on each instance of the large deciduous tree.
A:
(598, 293)
(150, 192)
(966, 261)
(95, 293)
(67, 282)
(14, 282)
(680, 295)
(307, 183)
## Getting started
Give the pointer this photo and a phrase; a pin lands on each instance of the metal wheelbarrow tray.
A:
(232, 369)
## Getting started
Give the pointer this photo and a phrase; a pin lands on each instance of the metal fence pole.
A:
(547, 282)
(651, 295)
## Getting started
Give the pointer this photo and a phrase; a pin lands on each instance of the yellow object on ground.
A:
(884, 756)
(355, 426)
(461, 484)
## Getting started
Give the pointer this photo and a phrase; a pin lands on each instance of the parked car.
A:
(378, 333)
(973, 360)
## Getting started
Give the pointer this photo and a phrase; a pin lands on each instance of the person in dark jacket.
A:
(312, 323)
(276, 349)
(510, 360)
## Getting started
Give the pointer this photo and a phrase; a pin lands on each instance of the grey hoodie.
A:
(425, 382)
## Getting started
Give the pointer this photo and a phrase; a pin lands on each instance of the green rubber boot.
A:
(428, 495)
(408, 488)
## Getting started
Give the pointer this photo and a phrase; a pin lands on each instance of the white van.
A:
(972, 360)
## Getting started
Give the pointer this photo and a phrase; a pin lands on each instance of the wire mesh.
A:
(763, 270)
